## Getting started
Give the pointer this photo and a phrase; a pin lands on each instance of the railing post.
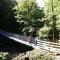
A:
(37, 41)
(59, 35)
(17, 36)
(59, 38)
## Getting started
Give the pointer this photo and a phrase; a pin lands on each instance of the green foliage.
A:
(40, 55)
(29, 15)
(44, 31)
(43, 57)
(36, 54)
(58, 22)
(51, 19)
(52, 7)
(3, 55)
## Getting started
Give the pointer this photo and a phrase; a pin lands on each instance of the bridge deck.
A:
(48, 46)
(18, 38)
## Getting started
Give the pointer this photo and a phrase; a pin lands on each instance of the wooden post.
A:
(53, 21)
(59, 38)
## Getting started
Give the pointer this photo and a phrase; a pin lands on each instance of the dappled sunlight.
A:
(30, 24)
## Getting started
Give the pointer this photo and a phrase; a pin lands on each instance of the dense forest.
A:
(26, 17)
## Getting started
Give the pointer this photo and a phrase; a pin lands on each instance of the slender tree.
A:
(52, 13)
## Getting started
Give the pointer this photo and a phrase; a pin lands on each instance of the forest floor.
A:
(34, 54)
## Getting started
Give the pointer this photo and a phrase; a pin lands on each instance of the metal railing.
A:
(50, 46)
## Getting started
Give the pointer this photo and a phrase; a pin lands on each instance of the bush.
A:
(42, 57)
(35, 55)
(4, 55)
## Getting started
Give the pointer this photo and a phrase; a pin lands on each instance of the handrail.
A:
(49, 46)
(42, 44)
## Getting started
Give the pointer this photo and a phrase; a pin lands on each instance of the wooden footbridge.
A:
(35, 43)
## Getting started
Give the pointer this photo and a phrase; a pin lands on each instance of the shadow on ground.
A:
(10, 46)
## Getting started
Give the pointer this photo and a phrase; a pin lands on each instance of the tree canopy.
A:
(52, 19)
(29, 16)
(55, 6)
